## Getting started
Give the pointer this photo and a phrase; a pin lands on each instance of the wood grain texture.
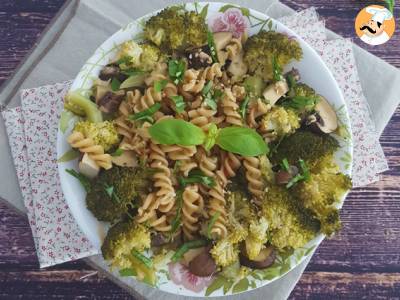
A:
(362, 262)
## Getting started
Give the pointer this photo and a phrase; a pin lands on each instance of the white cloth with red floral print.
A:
(32, 130)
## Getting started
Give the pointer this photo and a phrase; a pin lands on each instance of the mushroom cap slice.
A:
(222, 39)
(126, 159)
(88, 167)
(325, 119)
(275, 91)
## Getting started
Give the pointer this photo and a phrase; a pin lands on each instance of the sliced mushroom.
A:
(324, 120)
(111, 71)
(158, 239)
(203, 264)
(190, 255)
(110, 102)
(199, 57)
(88, 167)
(263, 260)
(237, 67)
(126, 159)
(275, 91)
(101, 88)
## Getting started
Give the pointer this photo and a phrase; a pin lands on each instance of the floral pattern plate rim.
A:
(174, 278)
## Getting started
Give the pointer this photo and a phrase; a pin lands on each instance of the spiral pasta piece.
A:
(87, 145)
(230, 163)
(256, 109)
(176, 152)
(160, 72)
(201, 117)
(254, 176)
(186, 166)
(162, 178)
(211, 72)
(192, 208)
(230, 108)
(191, 81)
(149, 98)
(147, 213)
(217, 204)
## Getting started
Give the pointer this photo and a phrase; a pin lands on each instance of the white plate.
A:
(313, 72)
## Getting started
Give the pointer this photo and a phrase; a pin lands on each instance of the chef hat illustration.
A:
(379, 14)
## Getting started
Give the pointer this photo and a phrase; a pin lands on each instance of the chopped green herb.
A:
(179, 103)
(294, 180)
(117, 152)
(176, 221)
(143, 259)
(109, 189)
(243, 106)
(85, 182)
(115, 84)
(127, 272)
(160, 85)
(144, 115)
(210, 102)
(211, 45)
(196, 176)
(176, 70)
(277, 70)
(304, 170)
(285, 164)
(186, 247)
(132, 72)
(207, 88)
(210, 225)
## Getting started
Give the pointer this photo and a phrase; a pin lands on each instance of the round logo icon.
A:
(374, 25)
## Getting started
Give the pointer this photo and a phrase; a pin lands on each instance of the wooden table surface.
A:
(361, 262)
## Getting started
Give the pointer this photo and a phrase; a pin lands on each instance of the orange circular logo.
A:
(374, 25)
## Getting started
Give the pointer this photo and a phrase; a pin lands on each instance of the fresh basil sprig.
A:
(196, 176)
(177, 132)
(176, 70)
(146, 114)
(179, 103)
(85, 182)
(241, 140)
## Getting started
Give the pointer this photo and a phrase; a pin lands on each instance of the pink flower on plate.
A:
(231, 20)
(180, 275)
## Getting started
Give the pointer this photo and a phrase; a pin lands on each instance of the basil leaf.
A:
(207, 88)
(211, 45)
(160, 85)
(176, 70)
(85, 182)
(243, 106)
(179, 103)
(145, 113)
(177, 132)
(241, 140)
(127, 272)
(69, 155)
(211, 223)
(143, 259)
(176, 221)
(115, 84)
(211, 136)
(117, 152)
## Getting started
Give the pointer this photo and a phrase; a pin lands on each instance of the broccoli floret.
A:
(290, 226)
(103, 133)
(114, 191)
(143, 57)
(117, 248)
(175, 29)
(306, 145)
(279, 122)
(226, 251)
(302, 90)
(320, 194)
(122, 238)
(262, 48)
(257, 237)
